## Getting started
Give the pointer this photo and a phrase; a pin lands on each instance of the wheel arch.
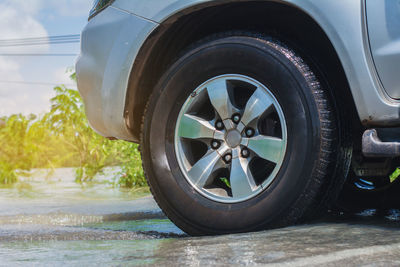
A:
(275, 18)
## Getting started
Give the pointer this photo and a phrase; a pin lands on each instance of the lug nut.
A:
(228, 158)
(236, 118)
(245, 153)
(215, 144)
(250, 132)
(219, 125)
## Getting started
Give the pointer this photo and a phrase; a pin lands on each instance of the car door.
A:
(383, 18)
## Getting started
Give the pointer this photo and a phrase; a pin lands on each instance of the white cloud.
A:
(24, 6)
(18, 21)
(62, 76)
(71, 7)
(9, 70)
(20, 98)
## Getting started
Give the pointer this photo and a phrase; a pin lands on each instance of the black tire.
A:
(312, 173)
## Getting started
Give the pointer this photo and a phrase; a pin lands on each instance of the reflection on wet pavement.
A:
(157, 227)
(307, 245)
(105, 226)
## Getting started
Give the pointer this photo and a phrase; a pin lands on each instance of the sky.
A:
(37, 18)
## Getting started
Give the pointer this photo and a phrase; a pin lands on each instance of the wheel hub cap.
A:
(233, 138)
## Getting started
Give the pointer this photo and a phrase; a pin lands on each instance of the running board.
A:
(375, 147)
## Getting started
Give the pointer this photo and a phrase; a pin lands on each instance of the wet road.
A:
(60, 223)
(328, 244)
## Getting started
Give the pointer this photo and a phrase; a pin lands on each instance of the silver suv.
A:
(250, 114)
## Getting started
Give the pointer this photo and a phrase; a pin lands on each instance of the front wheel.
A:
(239, 135)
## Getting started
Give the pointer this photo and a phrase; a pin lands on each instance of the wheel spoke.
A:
(219, 135)
(193, 127)
(218, 93)
(241, 179)
(258, 103)
(202, 170)
(267, 147)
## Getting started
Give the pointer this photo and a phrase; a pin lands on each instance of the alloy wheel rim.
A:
(230, 138)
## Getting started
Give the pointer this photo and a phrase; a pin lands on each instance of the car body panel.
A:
(384, 32)
(110, 43)
(343, 21)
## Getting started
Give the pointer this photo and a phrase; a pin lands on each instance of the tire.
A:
(305, 180)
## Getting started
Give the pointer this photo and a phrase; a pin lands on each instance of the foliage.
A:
(7, 174)
(131, 174)
(63, 138)
(396, 174)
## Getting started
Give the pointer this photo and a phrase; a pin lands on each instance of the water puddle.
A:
(383, 217)
(162, 228)
(82, 253)
(306, 245)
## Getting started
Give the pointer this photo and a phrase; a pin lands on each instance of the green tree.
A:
(62, 138)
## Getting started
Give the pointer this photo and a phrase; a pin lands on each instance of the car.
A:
(250, 115)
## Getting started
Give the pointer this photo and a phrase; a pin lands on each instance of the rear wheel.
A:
(239, 135)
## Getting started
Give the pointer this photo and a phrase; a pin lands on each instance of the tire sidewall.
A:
(262, 62)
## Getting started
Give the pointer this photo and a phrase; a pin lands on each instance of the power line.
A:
(40, 43)
(39, 55)
(54, 37)
(35, 83)
(60, 39)
(44, 39)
